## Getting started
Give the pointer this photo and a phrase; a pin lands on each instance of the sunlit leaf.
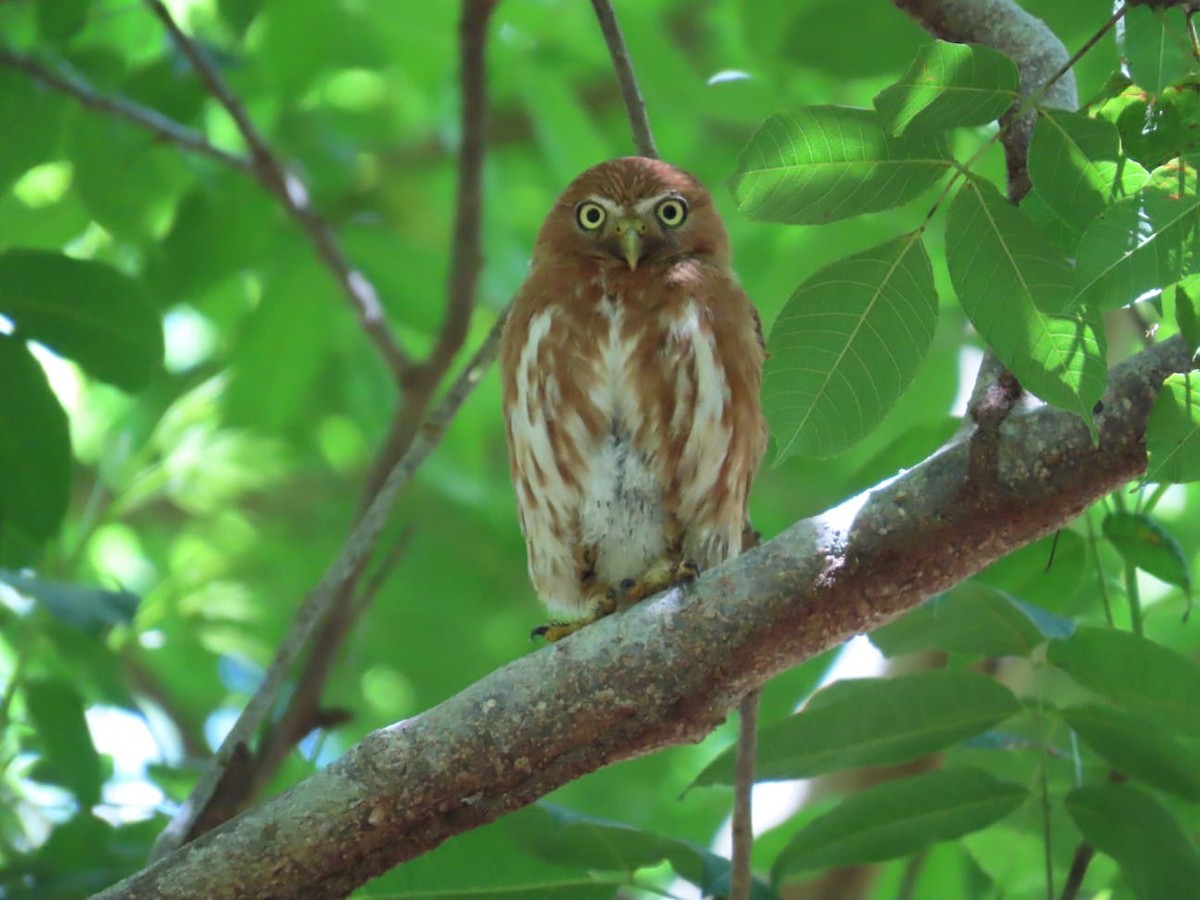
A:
(1136, 748)
(1008, 279)
(1156, 856)
(1075, 163)
(1138, 674)
(83, 310)
(1157, 47)
(861, 722)
(822, 163)
(1173, 432)
(35, 450)
(900, 817)
(947, 86)
(1146, 544)
(846, 345)
(1181, 302)
(1135, 247)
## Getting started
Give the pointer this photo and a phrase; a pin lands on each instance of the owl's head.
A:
(634, 212)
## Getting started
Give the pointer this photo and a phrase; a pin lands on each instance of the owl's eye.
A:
(589, 215)
(672, 212)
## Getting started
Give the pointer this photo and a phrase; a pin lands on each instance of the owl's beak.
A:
(629, 236)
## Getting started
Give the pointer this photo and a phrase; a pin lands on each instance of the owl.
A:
(631, 363)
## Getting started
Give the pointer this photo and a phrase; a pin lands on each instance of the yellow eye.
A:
(672, 212)
(589, 215)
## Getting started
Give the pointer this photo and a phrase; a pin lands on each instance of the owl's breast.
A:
(622, 515)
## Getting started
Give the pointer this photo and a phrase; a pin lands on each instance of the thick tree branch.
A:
(666, 671)
(294, 197)
(165, 129)
(639, 123)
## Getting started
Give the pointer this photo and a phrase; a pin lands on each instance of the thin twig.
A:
(1078, 871)
(294, 197)
(741, 875)
(467, 258)
(338, 608)
(315, 607)
(165, 129)
(643, 138)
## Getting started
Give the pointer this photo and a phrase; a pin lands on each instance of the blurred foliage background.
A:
(220, 492)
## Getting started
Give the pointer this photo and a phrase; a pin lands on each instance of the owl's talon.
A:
(687, 571)
(628, 584)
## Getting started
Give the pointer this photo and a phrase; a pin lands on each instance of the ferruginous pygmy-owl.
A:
(631, 364)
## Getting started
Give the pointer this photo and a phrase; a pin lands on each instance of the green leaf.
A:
(103, 151)
(1156, 857)
(1157, 47)
(35, 449)
(33, 122)
(1143, 542)
(1134, 747)
(846, 346)
(874, 721)
(1154, 130)
(973, 618)
(283, 346)
(1007, 277)
(1181, 303)
(947, 86)
(823, 163)
(87, 609)
(566, 838)
(900, 817)
(1075, 163)
(1173, 432)
(1135, 247)
(483, 863)
(1135, 673)
(219, 228)
(68, 757)
(60, 20)
(83, 310)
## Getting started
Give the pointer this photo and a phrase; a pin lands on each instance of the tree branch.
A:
(315, 608)
(329, 612)
(643, 137)
(666, 671)
(293, 195)
(1045, 69)
(466, 258)
(165, 129)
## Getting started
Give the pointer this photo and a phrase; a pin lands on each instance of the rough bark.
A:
(667, 671)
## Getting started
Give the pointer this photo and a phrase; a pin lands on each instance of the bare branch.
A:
(315, 608)
(741, 880)
(643, 138)
(466, 257)
(293, 195)
(165, 129)
(666, 671)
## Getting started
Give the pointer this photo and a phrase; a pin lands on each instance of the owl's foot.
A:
(604, 605)
(659, 577)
